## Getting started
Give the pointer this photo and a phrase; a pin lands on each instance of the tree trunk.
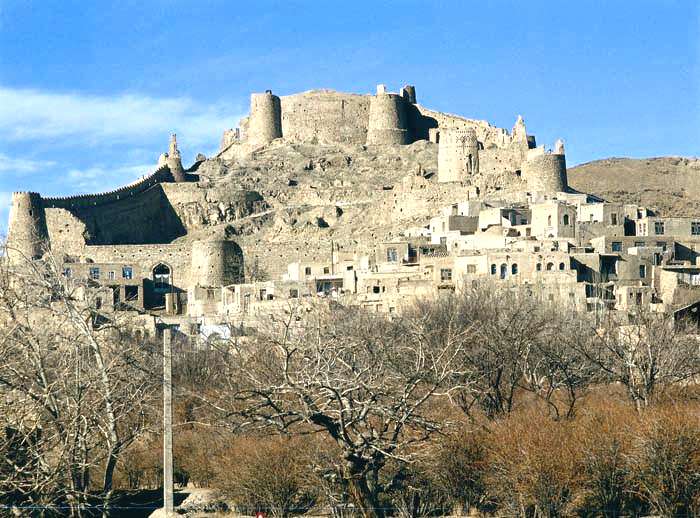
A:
(363, 498)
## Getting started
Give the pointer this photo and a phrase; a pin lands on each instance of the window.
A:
(98, 302)
(504, 270)
(642, 271)
(161, 278)
(613, 219)
(210, 294)
(695, 228)
(443, 240)
(562, 266)
(391, 255)
(307, 270)
(326, 270)
(550, 267)
(68, 272)
(471, 268)
(111, 275)
(349, 268)
(638, 298)
(375, 289)
(94, 273)
(659, 228)
(616, 246)
(514, 269)
(127, 272)
(639, 244)
(445, 274)
(493, 269)
(662, 245)
(549, 221)
(566, 219)
(538, 267)
(293, 293)
(131, 292)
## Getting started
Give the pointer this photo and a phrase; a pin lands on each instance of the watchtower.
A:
(27, 234)
(174, 161)
(546, 171)
(458, 154)
(388, 121)
(265, 122)
(216, 263)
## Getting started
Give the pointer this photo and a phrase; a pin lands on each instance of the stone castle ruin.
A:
(370, 197)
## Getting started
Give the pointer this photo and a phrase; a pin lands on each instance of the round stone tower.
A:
(216, 263)
(174, 161)
(388, 121)
(27, 235)
(545, 172)
(458, 154)
(265, 121)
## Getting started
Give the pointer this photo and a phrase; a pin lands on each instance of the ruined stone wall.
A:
(143, 258)
(325, 117)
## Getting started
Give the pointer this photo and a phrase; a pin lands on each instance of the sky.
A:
(90, 91)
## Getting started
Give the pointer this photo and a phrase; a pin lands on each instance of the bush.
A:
(267, 474)
(665, 461)
(535, 465)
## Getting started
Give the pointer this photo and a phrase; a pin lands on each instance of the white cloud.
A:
(30, 114)
(23, 165)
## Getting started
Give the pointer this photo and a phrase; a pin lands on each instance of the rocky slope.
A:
(670, 185)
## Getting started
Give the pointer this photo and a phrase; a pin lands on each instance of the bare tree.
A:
(78, 383)
(363, 380)
(645, 355)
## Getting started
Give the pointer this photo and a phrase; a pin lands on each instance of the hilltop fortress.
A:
(371, 198)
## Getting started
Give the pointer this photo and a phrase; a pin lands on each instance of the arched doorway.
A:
(162, 277)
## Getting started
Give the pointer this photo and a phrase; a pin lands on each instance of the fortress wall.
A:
(325, 117)
(486, 134)
(91, 200)
(146, 217)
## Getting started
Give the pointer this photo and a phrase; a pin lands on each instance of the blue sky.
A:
(89, 91)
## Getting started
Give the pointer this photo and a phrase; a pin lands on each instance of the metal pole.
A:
(167, 423)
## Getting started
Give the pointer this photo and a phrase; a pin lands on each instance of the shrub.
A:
(267, 474)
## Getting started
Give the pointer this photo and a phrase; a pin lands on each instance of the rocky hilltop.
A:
(670, 185)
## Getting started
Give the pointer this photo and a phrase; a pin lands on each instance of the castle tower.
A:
(174, 161)
(545, 172)
(388, 124)
(408, 92)
(458, 154)
(216, 263)
(27, 235)
(265, 121)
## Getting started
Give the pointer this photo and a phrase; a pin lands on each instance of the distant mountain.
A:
(670, 185)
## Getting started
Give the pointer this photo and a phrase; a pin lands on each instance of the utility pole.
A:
(168, 422)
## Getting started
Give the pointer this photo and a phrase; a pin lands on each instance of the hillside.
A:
(670, 185)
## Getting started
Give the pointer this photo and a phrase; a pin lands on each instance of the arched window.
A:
(161, 278)
(550, 267)
(562, 266)
(504, 270)
(549, 220)
(493, 269)
(514, 269)
(539, 267)
(566, 219)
